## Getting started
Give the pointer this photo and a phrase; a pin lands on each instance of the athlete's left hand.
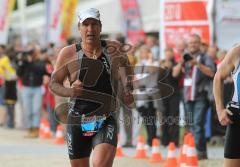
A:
(224, 117)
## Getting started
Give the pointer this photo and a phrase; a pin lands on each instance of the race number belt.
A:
(234, 107)
(91, 125)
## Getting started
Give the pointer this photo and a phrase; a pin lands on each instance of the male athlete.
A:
(94, 69)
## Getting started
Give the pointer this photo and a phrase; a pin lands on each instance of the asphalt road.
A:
(15, 151)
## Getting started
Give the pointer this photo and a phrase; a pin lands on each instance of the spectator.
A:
(146, 108)
(31, 70)
(8, 72)
(152, 43)
(199, 69)
(170, 112)
(212, 52)
(180, 50)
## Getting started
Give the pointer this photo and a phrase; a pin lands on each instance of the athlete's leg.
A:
(231, 162)
(79, 146)
(103, 155)
(104, 144)
(83, 162)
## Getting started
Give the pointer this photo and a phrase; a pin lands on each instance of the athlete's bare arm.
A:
(66, 59)
(227, 66)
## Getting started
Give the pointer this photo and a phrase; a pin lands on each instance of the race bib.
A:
(90, 126)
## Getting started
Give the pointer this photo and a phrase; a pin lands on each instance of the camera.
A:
(187, 57)
(28, 53)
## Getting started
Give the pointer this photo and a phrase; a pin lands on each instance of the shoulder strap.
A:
(79, 57)
(104, 43)
(78, 47)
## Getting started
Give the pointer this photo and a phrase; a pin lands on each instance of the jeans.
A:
(149, 120)
(32, 104)
(2, 91)
(10, 115)
(198, 110)
(52, 118)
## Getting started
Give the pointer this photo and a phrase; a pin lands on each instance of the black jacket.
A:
(32, 73)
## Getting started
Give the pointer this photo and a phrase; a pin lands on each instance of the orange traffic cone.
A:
(190, 134)
(156, 155)
(192, 159)
(171, 156)
(140, 151)
(47, 134)
(59, 135)
(119, 152)
(41, 128)
(183, 151)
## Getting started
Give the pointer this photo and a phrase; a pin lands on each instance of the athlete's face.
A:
(90, 30)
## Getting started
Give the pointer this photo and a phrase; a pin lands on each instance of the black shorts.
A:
(232, 143)
(80, 146)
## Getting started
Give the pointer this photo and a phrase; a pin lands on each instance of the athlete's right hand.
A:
(77, 88)
(223, 117)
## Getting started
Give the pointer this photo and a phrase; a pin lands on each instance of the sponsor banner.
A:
(180, 18)
(132, 21)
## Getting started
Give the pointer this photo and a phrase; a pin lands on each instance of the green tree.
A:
(29, 2)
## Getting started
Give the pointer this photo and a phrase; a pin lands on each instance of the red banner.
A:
(132, 20)
(181, 18)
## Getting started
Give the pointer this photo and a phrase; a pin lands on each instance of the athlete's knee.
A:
(102, 161)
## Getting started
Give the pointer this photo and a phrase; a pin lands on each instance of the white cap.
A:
(88, 13)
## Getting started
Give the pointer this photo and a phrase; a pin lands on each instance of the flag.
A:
(132, 21)
(53, 17)
(6, 8)
(69, 10)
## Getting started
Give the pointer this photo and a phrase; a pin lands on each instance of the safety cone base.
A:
(156, 159)
(141, 154)
(119, 153)
(59, 141)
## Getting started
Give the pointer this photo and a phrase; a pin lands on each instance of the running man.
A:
(91, 123)
(229, 116)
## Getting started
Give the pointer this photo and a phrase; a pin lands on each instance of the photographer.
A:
(170, 104)
(198, 70)
(31, 71)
